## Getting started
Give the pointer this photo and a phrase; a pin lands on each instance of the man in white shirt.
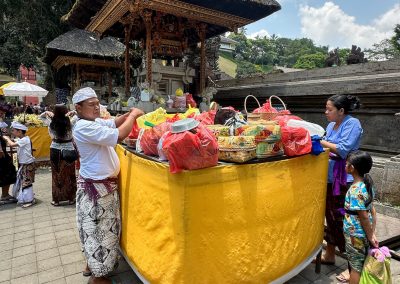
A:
(97, 199)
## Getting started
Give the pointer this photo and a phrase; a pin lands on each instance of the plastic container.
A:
(312, 128)
(184, 125)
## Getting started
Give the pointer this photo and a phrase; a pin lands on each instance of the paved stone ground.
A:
(41, 245)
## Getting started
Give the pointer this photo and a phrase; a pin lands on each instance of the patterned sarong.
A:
(25, 178)
(99, 223)
(356, 251)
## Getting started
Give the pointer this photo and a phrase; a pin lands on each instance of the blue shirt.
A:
(355, 200)
(347, 138)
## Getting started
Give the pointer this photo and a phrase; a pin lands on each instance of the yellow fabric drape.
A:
(227, 224)
(40, 141)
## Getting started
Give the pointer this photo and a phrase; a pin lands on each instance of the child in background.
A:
(360, 217)
(22, 188)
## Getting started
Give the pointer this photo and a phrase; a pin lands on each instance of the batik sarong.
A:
(63, 178)
(99, 223)
(22, 188)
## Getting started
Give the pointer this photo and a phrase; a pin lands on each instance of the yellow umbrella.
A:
(4, 86)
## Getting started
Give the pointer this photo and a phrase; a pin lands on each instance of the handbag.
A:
(70, 156)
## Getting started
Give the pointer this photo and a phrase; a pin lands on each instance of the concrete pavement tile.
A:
(9, 231)
(69, 248)
(48, 263)
(298, 280)
(72, 257)
(23, 222)
(42, 219)
(61, 221)
(5, 264)
(41, 255)
(22, 212)
(5, 275)
(74, 268)
(66, 233)
(76, 279)
(8, 214)
(5, 255)
(29, 279)
(23, 250)
(45, 245)
(6, 226)
(23, 270)
(45, 237)
(24, 242)
(23, 259)
(58, 281)
(50, 275)
(43, 231)
(63, 227)
(6, 239)
(6, 246)
(23, 217)
(324, 279)
(41, 213)
(23, 228)
(24, 235)
(309, 273)
(44, 224)
(130, 277)
(66, 241)
(57, 216)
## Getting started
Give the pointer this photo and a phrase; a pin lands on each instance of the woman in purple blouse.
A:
(343, 135)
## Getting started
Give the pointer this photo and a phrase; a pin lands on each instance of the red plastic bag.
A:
(191, 150)
(134, 132)
(266, 107)
(284, 117)
(296, 141)
(207, 117)
(150, 138)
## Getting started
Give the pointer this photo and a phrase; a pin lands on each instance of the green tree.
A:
(395, 40)
(310, 61)
(245, 69)
(26, 26)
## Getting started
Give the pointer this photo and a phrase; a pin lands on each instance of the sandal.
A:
(343, 277)
(27, 205)
(87, 273)
(55, 203)
(71, 202)
(8, 198)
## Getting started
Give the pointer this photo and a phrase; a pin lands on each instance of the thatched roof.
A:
(82, 43)
(83, 10)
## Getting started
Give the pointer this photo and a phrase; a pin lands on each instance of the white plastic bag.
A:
(312, 128)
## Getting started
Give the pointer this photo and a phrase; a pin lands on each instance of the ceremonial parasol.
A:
(24, 89)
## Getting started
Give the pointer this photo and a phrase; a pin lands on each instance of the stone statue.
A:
(333, 58)
(356, 56)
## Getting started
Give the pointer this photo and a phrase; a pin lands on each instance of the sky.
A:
(331, 23)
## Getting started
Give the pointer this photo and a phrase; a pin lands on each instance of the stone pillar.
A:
(148, 23)
(127, 30)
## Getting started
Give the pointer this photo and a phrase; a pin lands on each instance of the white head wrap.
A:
(83, 94)
(17, 125)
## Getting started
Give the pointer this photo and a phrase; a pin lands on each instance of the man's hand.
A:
(135, 113)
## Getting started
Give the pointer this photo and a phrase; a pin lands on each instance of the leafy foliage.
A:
(310, 61)
(26, 26)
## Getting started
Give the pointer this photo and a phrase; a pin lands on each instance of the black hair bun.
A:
(354, 102)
